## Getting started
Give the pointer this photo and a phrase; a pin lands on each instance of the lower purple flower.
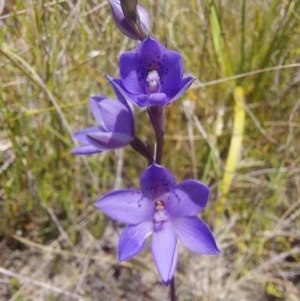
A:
(167, 211)
(116, 129)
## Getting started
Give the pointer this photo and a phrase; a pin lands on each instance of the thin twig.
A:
(41, 284)
(84, 268)
(120, 163)
(259, 126)
(74, 254)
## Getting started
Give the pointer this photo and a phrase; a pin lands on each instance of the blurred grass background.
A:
(237, 129)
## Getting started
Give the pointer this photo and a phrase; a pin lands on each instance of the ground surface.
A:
(237, 129)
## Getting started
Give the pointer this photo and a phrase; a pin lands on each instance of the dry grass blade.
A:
(45, 286)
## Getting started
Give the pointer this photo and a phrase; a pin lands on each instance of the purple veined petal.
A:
(156, 181)
(195, 235)
(121, 91)
(132, 80)
(164, 251)
(114, 116)
(133, 239)
(127, 206)
(116, 85)
(109, 141)
(184, 85)
(94, 106)
(172, 73)
(121, 95)
(117, 116)
(81, 136)
(187, 198)
(151, 50)
(85, 150)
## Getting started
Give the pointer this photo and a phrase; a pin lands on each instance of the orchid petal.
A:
(184, 85)
(118, 117)
(154, 99)
(172, 72)
(151, 50)
(121, 91)
(113, 115)
(187, 198)
(94, 106)
(131, 79)
(85, 150)
(127, 206)
(109, 141)
(156, 181)
(142, 100)
(133, 239)
(81, 136)
(164, 251)
(195, 235)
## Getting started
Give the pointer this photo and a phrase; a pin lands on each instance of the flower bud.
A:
(133, 23)
(129, 8)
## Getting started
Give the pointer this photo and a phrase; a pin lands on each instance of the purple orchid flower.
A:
(152, 75)
(116, 129)
(167, 211)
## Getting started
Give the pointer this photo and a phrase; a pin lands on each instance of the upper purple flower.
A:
(116, 129)
(165, 209)
(152, 75)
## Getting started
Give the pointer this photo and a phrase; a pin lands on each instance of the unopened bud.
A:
(129, 8)
(134, 22)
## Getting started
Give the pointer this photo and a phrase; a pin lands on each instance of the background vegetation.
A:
(237, 129)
